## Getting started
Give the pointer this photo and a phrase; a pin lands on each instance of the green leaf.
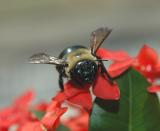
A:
(137, 110)
(38, 114)
(62, 128)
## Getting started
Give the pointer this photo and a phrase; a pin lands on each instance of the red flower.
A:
(52, 117)
(147, 64)
(153, 88)
(79, 122)
(102, 87)
(18, 113)
(49, 122)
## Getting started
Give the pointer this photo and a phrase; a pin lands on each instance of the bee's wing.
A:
(42, 58)
(97, 38)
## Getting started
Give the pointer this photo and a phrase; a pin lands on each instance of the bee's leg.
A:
(109, 77)
(103, 70)
(61, 82)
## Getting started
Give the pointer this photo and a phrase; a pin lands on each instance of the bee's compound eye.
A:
(84, 72)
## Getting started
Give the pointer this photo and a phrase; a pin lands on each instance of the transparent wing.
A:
(97, 38)
(42, 58)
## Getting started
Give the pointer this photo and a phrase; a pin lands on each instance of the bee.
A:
(78, 63)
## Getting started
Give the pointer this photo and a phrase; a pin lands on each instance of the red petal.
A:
(32, 126)
(147, 56)
(8, 117)
(78, 95)
(41, 106)
(157, 70)
(83, 99)
(153, 88)
(117, 68)
(102, 88)
(71, 89)
(53, 106)
(6, 112)
(112, 55)
(25, 99)
(60, 97)
(53, 114)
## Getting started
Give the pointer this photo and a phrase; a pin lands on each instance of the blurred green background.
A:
(31, 26)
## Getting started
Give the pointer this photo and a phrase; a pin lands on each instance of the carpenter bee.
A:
(77, 63)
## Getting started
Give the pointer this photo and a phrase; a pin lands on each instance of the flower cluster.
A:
(12, 116)
(148, 64)
(20, 116)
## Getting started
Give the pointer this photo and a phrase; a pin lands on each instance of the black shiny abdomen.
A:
(84, 72)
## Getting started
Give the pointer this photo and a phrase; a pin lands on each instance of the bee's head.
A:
(84, 71)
